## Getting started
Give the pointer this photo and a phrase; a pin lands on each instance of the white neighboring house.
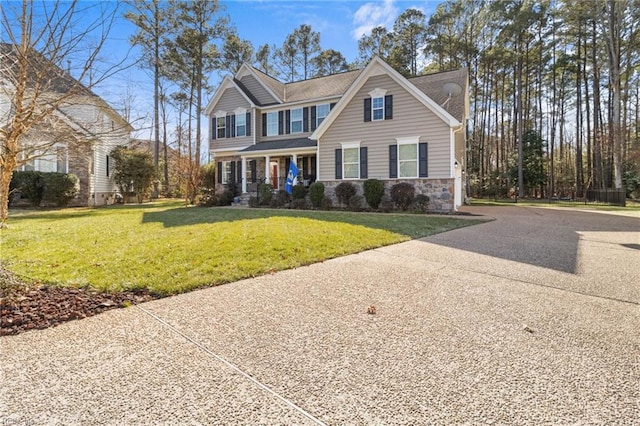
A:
(77, 138)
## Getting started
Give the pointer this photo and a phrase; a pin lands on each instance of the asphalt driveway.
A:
(531, 318)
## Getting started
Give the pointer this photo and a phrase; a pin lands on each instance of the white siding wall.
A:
(410, 118)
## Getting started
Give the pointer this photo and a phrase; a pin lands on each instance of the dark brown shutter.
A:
(227, 130)
(233, 126)
(281, 122)
(305, 119)
(264, 124)
(248, 124)
(314, 118)
(363, 162)
(214, 128)
(312, 172)
(239, 171)
(219, 166)
(287, 129)
(233, 172)
(388, 107)
(367, 109)
(422, 160)
(338, 163)
(393, 161)
(107, 165)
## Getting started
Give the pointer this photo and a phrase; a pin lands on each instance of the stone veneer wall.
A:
(440, 191)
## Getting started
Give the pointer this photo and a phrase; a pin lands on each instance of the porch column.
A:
(267, 174)
(244, 175)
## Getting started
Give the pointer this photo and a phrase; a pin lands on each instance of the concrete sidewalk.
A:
(532, 318)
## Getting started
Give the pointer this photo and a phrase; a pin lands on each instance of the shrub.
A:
(53, 188)
(373, 192)
(421, 203)
(298, 192)
(207, 198)
(226, 198)
(60, 188)
(300, 204)
(253, 202)
(279, 200)
(344, 191)
(402, 194)
(356, 203)
(265, 191)
(386, 205)
(326, 204)
(316, 194)
(30, 185)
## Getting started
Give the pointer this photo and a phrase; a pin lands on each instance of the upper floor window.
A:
(378, 108)
(322, 112)
(221, 127)
(272, 123)
(296, 120)
(241, 124)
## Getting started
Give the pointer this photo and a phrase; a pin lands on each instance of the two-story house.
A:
(352, 126)
(77, 137)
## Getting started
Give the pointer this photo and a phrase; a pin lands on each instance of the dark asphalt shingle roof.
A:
(282, 144)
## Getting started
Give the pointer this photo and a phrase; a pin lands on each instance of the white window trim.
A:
(378, 93)
(350, 145)
(412, 140)
(301, 121)
(272, 114)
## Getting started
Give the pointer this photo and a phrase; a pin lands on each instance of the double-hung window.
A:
(351, 161)
(377, 105)
(322, 111)
(221, 127)
(226, 172)
(296, 120)
(408, 160)
(241, 124)
(272, 123)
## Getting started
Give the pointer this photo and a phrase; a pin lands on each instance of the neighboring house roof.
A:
(282, 144)
(378, 66)
(52, 79)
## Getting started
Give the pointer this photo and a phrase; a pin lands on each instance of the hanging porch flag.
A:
(291, 177)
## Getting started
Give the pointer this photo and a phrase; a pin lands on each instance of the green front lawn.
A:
(169, 249)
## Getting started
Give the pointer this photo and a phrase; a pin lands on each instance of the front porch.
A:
(268, 162)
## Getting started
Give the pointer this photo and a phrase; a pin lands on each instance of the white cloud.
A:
(372, 14)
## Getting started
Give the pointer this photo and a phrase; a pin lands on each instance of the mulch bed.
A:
(28, 306)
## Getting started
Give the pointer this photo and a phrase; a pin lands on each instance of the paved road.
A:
(531, 318)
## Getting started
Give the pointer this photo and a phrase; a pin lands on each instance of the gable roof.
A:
(53, 79)
(375, 67)
(227, 83)
(314, 88)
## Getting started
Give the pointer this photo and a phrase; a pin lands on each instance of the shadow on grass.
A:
(410, 225)
(78, 212)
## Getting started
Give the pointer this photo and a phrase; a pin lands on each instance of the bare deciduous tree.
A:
(39, 40)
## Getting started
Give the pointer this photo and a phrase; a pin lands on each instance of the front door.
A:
(274, 172)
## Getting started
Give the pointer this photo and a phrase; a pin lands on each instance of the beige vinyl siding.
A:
(410, 118)
(257, 90)
(229, 101)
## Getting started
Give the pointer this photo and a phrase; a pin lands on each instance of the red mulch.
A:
(28, 306)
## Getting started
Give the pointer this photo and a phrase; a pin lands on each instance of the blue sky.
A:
(340, 24)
